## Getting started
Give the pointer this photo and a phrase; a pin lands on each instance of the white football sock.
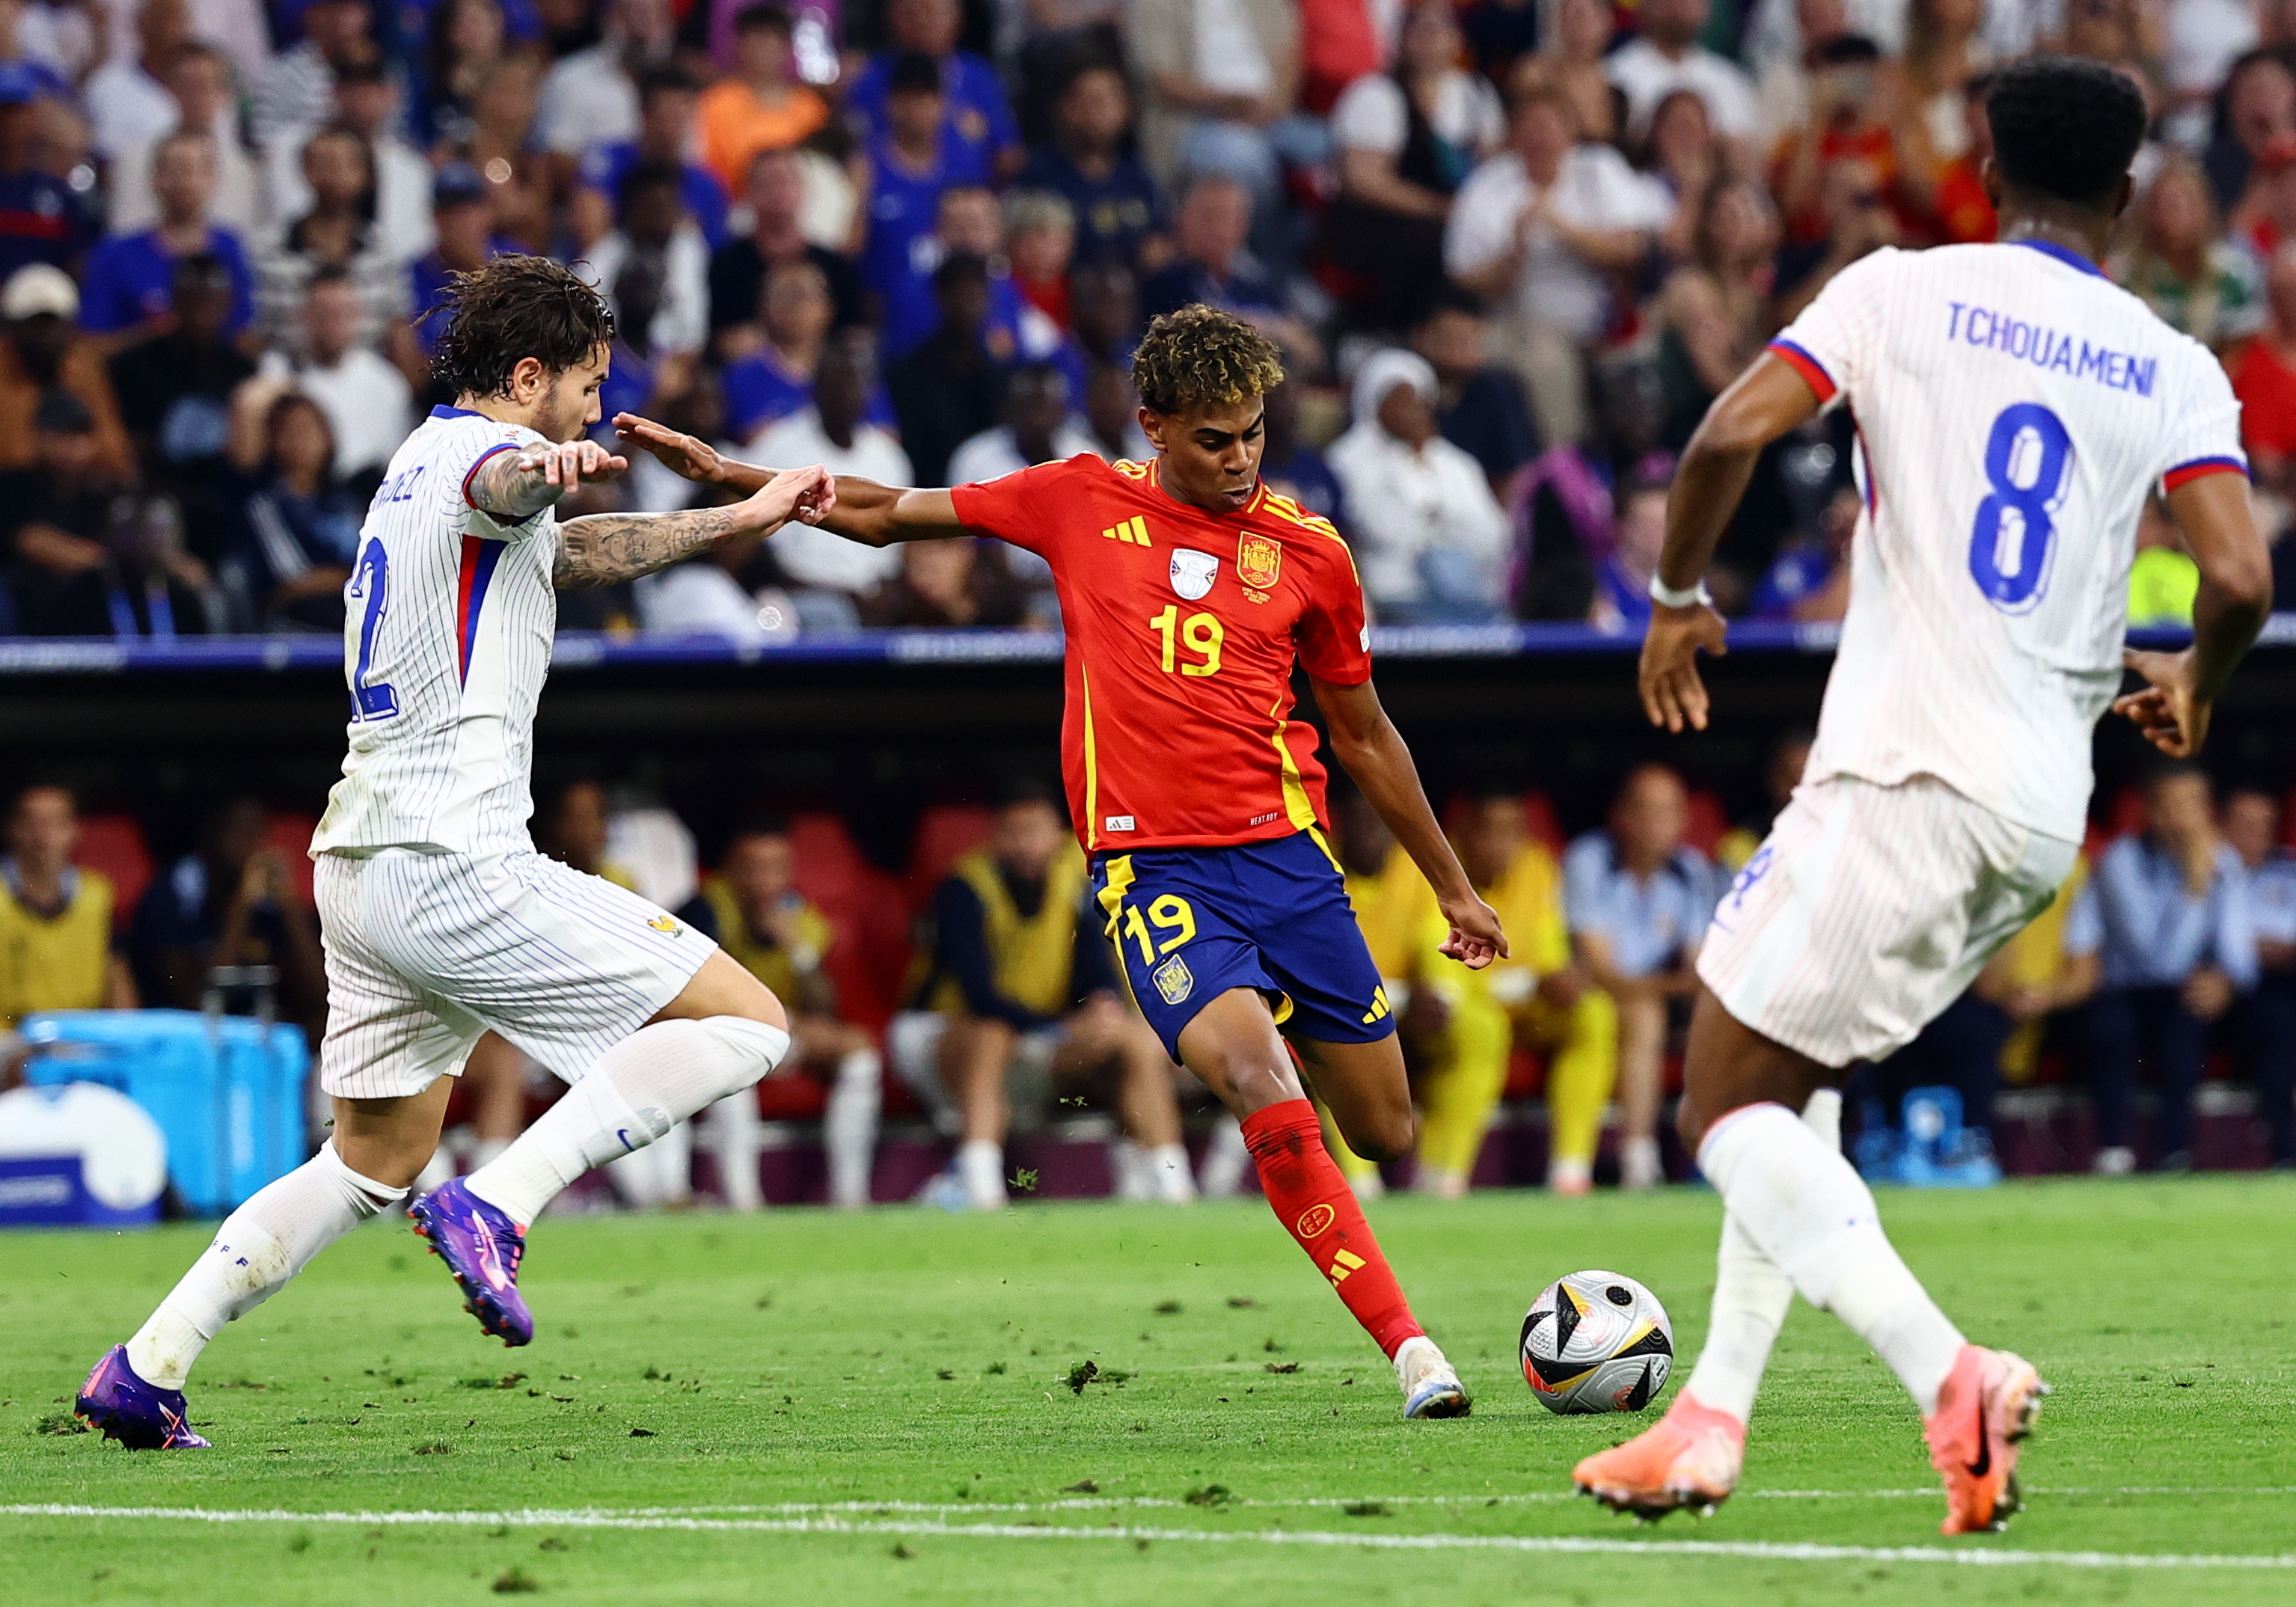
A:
(259, 1246)
(1751, 1298)
(980, 1167)
(736, 1136)
(1638, 1164)
(1806, 1208)
(1224, 1160)
(1128, 1167)
(639, 1090)
(848, 1128)
(1169, 1180)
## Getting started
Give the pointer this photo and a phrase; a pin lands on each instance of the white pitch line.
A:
(657, 1518)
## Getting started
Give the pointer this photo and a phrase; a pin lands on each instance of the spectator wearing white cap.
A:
(199, 82)
(42, 349)
(1429, 537)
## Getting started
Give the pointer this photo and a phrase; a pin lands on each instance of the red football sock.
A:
(1317, 1208)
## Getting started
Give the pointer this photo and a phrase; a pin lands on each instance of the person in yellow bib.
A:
(1013, 970)
(55, 917)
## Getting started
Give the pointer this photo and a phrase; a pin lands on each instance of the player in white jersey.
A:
(2014, 409)
(440, 920)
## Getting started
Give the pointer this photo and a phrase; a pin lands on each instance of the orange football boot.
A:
(1689, 1457)
(1985, 1409)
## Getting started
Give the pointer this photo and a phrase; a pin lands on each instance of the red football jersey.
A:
(1183, 628)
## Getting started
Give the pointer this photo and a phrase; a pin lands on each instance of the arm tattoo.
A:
(605, 548)
(501, 487)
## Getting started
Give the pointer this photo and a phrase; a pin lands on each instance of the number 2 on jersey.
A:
(375, 699)
(1201, 634)
(2029, 460)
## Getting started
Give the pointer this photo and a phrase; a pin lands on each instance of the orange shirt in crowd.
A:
(731, 124)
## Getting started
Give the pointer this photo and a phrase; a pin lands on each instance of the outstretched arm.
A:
(1769, 400)
(605, 548)
(872, 515)
(518, 485)
(2236, 596)
(1366, 741)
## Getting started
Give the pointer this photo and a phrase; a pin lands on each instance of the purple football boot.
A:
(482, 1247)
(141, 1416)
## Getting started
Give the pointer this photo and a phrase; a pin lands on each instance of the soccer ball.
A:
(1596, 1341)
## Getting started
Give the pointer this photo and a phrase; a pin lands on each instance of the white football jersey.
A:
(447, 635)
(2014, 408)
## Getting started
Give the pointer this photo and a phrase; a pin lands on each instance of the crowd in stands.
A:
(972, 994)
(1509, 249)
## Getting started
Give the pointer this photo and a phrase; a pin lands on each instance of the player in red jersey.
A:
(1189, 591)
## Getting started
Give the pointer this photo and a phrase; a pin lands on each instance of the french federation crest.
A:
(1192, 574)
(1174, 979)
(1259, 559)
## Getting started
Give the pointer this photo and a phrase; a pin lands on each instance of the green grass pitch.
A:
(805, 1408)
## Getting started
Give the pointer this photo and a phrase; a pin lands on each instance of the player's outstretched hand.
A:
(567, 464)
(1476, 937)
(1673, 695)
(682, 455)
(2172, 713)
(802, 494)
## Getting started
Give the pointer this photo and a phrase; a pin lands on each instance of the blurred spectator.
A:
(1478, 407)
(2183, 268)
(366, 102)
(1499, 33)
(1713, 311)
(1429, 536)
(1923, 93)
(1536, 231)
(175, 387)
(1114, 202)
(56, 918)
(1666, 56)
(590, 97)
(368, 403)
(1964, 212)
(1849, 140)
(1407, 142)
(124, 287)
(1111, 417)
(1471, 1022)
(1015, 969)
(665, 126)
(2163, 580)
(1784, 42)
(127, 98)
(777, 379)
(1563, 507)
(948, 390)
(1221, 80)
(2168, 914)
(1789, 756)
(1104, 314)
(2264, 378)
(1036, 430)
(339, 231)
(758, 108)
(300, 529)
(1622, 577)
(1573, 62)
(835, 431)
(462, 48)
(199, 84)
(1809, 579)
(1852, 216)
(911, 168)
(2256, 106)
(956, 584)
(230, 902)
(1639, 898)
(42, 218)
(42, 349)
(737, 270)
(658, 234)
(706, 596)
(1039, 245)
(1681, 156)
(2269, 1014)
(2034, 978)
(1288, 466)
(976, 123)
(297, 92)
(463, 219)
(495, 139)
(1211, 265)
(777, 936)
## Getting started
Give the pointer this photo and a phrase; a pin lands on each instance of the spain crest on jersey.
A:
(1259, 559)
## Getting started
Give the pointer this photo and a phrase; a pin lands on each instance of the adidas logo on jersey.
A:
(1132, 531)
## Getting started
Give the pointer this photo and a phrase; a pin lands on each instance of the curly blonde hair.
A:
(1199, 356)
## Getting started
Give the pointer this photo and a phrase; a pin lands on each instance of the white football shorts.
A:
(426, 951)
(1868, 909)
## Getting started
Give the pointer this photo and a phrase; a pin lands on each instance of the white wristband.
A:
(1666, 596)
